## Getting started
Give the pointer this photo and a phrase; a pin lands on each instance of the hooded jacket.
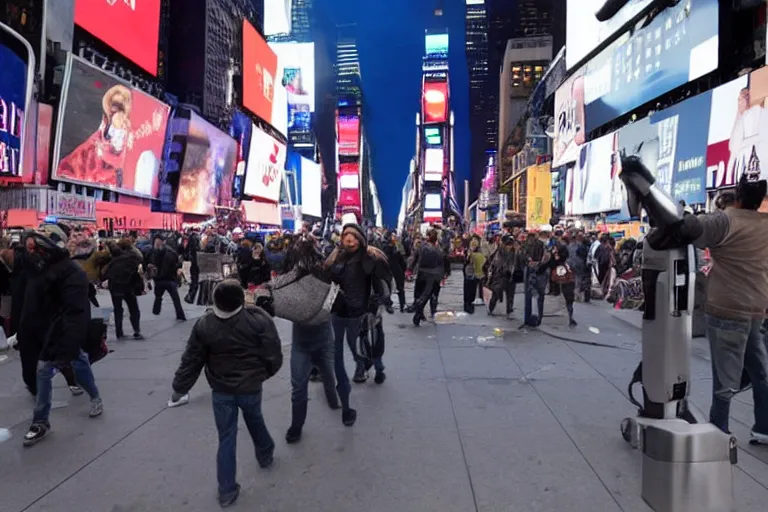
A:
(55, 310)
(239, 352)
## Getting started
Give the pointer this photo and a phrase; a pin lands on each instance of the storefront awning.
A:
(118, 216)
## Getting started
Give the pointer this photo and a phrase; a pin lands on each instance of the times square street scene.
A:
(454, 255)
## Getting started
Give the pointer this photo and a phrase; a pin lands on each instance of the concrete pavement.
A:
(466, 421)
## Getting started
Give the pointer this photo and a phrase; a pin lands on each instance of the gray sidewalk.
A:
(466, 421)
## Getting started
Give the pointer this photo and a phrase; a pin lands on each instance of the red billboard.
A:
(131, 27)
(109, 135)
(349, 185)
(259, 70)
(435, 102)
(349, 135)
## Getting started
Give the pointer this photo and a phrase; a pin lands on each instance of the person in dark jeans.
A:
(536, 277)
(360, 271)
(191, 246)
(312, 344)
(124, 282)
(504, 264)
(164, 265)
(397, 265)
(239, 347)
(433, 267)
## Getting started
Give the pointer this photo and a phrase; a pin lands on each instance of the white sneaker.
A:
(758, 438)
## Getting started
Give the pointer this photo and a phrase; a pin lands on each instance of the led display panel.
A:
(436, 44)
(13, 99)
(266, 162)
(433, 136)
(259, 69)
(109, 135)
(349, 135)
(679, 45)
(433, 164)
(131, 27)
(435, 101)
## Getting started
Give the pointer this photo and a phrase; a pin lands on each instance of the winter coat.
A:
(93, 263)
(396, 261)
(257, 272)
(360, 276)
(238, 353)
(123, 271)
(55, 310)
(167, 263)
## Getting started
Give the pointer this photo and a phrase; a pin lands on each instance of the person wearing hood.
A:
(164, 266)
(360, 271)
(56, 313)
(125, 283)
(239, 347)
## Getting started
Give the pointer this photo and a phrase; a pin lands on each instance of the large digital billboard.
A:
(13, 100)
(131, 27)
(570, 131)
(593, 184)
(433, 136)
(584, 32)
(434, 162)
(349, 185)
(208, 169)
(277, 17)
(298, 63)
(435, 101)
(259, 69)
(678, 46)
(109, 135)
(311, 188)
(349, 135)
(738, 130)
(266, 163)
(436, 44)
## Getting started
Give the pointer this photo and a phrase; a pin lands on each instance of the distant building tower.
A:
(476, 41)
(301, 20)
(347, 67)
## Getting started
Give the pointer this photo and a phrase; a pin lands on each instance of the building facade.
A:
(476, 41)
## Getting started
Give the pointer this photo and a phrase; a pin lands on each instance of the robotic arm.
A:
(672, 227)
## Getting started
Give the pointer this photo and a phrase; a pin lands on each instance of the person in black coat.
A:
(239, 347)
(164, 266)
(125, 283)
(191, 246)
(56, 312)
(397, 266)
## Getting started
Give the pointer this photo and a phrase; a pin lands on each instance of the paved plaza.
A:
(468, 420)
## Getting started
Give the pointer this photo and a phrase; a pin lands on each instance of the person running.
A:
(239, 347)
(164, 266)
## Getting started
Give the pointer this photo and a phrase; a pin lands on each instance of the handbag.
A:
(306, 299)
(562, 274)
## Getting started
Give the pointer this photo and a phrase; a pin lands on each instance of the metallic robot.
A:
(687, 461)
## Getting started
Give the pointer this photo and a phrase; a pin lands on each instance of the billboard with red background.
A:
(349, 135)
(43, 148)
(109, 135)
(259, 70)
(349, 185)
(435, 102)
(131, 27)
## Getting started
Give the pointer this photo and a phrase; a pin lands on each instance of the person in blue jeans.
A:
(362, 272)
(536, 277)
(56, 311)
(239, 347)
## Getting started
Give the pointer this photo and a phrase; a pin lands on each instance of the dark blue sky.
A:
(391, 45)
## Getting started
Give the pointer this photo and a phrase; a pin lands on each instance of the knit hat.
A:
(228, 299)
(355, 230)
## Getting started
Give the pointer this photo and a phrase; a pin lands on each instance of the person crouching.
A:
(240, 348)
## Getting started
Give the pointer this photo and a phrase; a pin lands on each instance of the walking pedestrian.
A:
(164, 266)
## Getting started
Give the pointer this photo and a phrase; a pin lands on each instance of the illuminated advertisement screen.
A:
(277, 17)
(208, 169)
(297, 62)
(109, 135)
(593, 184)
(738, 130)
(433, 164)
(240, 131)
(266, 162)
(433, 202)
(311, 188)
(570, 131)
(435, 102)
(349, 185)
(259, 70)
(13, 97)
(583, 31)
(679, 45)
(433, 136)
(131, 27)
(436, 44)
(349, 135)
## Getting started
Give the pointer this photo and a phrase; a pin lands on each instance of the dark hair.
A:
(605, 238)
(432, 236)
(725, 199)
(304, 256)
(228, 295)
(751, 194)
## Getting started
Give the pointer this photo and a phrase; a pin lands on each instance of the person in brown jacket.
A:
(737, 300)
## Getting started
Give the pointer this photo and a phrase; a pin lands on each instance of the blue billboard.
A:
(240, 130)
(679, 45)
(13, 89)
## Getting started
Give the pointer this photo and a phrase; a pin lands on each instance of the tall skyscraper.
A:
(347, 66)
(301, 20)
(476, 41)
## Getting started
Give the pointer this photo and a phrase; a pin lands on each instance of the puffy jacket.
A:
(167, 262)
(123, 271)
(239, 353)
